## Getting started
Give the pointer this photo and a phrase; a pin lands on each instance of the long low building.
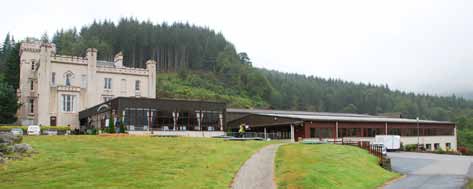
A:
(298, 125)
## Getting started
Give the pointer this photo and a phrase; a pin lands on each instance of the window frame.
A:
(53, 78)
(107, 83)
(68, 103)
(137, 85)
(31, 107)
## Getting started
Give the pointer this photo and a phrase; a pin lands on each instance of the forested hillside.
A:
(197, 62)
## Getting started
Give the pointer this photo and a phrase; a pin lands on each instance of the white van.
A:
(34, 130)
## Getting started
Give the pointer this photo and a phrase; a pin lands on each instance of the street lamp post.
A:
(417, 133)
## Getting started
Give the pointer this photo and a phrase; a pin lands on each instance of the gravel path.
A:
(258, 171)
(428, 171)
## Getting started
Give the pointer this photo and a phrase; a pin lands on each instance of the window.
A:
(31, 105)
(322, 133)
(137, 85)
(349, 132)
(436, 146)
(68, 76)
(108, 83)
(428, 146)
(31, 85)
(32, 65)
(83, 81)
(53, 78)
(410, 132)
(312, 132)
(448, 145)
(394, 131)
(68, 103)
(372, 132)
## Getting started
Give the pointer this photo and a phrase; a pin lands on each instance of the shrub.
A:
(463, 150)
(43, 128)
(410, 147)
(8, 128)
(111, 124)
(440, 151)
(121, 126)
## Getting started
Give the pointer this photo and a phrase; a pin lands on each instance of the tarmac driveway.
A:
(424, 170)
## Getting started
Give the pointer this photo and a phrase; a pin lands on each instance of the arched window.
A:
(68, 76)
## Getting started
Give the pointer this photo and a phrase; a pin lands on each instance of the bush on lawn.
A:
(111, 124)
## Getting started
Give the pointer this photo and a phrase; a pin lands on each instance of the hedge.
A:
(43, 128)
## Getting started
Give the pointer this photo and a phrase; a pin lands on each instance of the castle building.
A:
(54, 88)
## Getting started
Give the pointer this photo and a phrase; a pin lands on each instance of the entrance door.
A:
(52, 120)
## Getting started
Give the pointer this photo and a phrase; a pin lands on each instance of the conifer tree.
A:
(111, 124)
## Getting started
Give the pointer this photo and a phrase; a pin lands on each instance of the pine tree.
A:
(8, 102)
(121, 124)
(111, 126)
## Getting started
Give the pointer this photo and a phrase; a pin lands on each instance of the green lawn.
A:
(328, 166)
(127, 162)
(469, 184)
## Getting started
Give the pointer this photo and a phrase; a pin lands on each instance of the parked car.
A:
(16, 131)
(34, 130)
(384, 150)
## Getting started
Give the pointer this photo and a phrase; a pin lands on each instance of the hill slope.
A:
(203, 86)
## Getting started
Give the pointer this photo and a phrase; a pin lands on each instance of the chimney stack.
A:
(118, 60)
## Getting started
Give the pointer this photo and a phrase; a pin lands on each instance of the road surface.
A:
(430, 171)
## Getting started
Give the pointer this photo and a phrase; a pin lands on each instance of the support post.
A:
(336, 130)
(292, 134)
(386, 128)
(265, 135)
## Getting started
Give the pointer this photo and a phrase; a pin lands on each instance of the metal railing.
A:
(272, 136)
(376, 150)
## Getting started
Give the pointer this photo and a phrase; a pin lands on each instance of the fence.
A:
(376, 150)
(273, 135)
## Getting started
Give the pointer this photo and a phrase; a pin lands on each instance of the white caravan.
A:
(391, 142)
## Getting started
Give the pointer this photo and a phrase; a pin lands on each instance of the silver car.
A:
(384, 150)
(16, 131)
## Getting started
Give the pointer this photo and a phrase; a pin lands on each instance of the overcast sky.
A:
(419, 46)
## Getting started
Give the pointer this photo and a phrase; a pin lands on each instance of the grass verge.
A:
(127, 162)
(328, 166)
(469, 184)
